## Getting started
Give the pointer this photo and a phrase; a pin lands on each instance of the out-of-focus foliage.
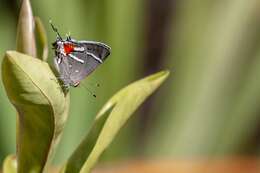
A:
(210, 104)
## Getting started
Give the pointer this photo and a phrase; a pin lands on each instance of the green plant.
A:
(42, 106)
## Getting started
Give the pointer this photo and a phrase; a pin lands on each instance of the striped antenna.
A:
(55, 30)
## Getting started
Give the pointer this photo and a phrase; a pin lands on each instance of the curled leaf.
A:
(25, 42)
(41, 33)
(107, 124)
(42, 108)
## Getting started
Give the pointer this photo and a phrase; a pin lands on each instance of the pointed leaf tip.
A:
(25, 42)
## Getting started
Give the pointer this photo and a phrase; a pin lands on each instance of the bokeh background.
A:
(210, 105)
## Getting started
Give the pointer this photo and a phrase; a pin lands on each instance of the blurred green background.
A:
(208, 107)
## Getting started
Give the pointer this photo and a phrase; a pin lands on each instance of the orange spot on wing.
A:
(68, 48)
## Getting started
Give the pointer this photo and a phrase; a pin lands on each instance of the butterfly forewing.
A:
(100, 50)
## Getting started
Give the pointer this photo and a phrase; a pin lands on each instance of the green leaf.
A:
(10, 164)
(107, 125)
(42, 108)
(25, 42)
(41, 33)
(79, 156)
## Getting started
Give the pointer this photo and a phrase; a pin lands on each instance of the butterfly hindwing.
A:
(78, 70)
(64, 70)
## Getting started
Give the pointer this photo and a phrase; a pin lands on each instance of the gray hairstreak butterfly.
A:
(75, 60)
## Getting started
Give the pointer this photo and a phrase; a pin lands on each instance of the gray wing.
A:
(98, 49)
(64, 71)
(79, 71)
(72, 71)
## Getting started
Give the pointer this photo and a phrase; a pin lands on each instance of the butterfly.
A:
(75, 60)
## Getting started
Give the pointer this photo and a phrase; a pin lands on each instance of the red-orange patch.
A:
(68, 48)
